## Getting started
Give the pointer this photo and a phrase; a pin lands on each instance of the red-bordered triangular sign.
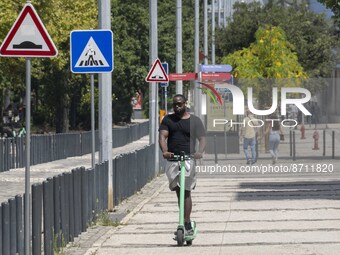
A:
(157, 73)
(28, 37)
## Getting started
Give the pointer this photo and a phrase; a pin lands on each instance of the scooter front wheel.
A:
(180, 237)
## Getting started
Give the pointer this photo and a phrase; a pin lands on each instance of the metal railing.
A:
(63, 206)
(50, 147)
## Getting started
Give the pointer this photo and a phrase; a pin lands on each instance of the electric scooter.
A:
(180, 234)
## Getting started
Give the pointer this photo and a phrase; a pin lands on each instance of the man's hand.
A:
(167, 155)
(198, 155)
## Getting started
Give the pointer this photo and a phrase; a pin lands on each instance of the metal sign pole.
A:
(166, 100)
(28, 154)
(93, 123)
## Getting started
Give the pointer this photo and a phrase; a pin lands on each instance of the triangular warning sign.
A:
(91, 56)
(157, 73)
(28, 37)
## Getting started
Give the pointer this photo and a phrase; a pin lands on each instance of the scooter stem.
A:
(182, 190)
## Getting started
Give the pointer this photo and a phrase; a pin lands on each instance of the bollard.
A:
(294, 148)
(37, 200)
(84, 197)
(48, 215)
(20, 225)
(13, 226)
(1, 229)
(5, 228)
(215, 149)
(324, 143)
(56, 212)
(291, 142)
(316, 140)
(333, 144)
(302, 129)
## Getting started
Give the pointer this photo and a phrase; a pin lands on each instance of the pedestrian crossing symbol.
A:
(91, 51)
(91, 56)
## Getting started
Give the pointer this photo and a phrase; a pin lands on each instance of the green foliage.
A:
(52, 81)
(84, 108)
(131, 32)
(62, 98)
(104, 219)
(130, 27)
(334, 5)
(271, 56)
(309, 33)
(8, 12)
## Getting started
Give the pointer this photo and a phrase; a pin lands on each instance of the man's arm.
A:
(201, 147)
(163, 136)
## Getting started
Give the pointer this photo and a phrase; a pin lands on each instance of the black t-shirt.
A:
(182, 133)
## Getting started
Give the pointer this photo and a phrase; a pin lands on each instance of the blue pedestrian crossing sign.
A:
(91, 51)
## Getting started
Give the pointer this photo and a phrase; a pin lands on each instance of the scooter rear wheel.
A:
(189, 242)
(180, 237)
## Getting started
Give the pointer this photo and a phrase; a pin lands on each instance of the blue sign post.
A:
(165, 86)
(91, 51)
(166, 69)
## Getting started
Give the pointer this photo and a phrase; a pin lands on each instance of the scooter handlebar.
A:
(181, 157)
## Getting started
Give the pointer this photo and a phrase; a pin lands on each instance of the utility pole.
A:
(105, 104)
(153, 86)
(197, 93)
(225, 13)
(213, 32)
(179, 66)
(219, 13)
(205, 14)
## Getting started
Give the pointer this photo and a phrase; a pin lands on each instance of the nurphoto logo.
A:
(238, 105)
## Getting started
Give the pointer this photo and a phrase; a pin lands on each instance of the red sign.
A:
(28, 37)
(216, 76)
(182, 76)
(157, 73)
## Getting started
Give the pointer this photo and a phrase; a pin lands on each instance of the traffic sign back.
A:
(28, 37)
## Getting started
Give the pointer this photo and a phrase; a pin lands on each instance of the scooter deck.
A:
(191, 237)
(188, 237)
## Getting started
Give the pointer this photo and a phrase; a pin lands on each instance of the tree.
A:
(130, 27)
(270, 57)
(52, 82)
(61, 98)
(334, 5)
(311, 35)
(12, 70)
(62, 87)
(131, 32)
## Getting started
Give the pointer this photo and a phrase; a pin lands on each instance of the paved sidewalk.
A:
(236, 213)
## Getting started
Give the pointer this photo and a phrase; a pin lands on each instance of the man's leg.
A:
(253, 150)
(187, 204)
(245, 148)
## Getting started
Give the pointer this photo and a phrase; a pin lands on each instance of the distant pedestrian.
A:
(248, 133)
(274, 130)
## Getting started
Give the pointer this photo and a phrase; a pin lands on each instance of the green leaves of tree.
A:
(271, 56)
(334, 5)
(309, 33)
